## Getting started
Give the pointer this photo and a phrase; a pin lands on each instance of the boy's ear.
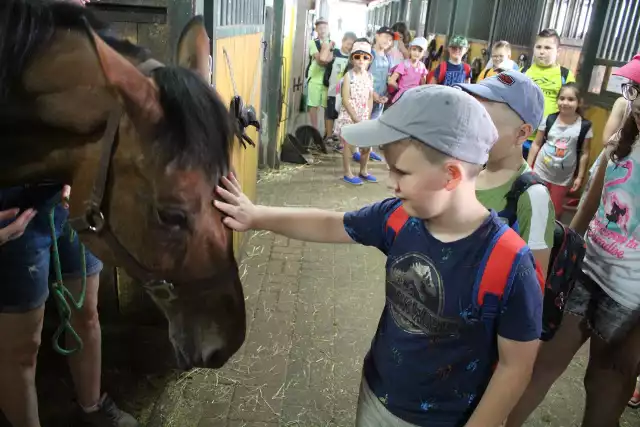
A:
(525, 131)
(454, 175)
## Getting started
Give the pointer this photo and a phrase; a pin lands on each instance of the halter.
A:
(93, 220)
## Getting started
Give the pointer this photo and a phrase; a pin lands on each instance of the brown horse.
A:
(142, 146)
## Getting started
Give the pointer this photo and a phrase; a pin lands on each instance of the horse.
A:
(143, 146)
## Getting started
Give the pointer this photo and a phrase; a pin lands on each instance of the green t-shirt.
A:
(316, 71)
(536, 216)
(549, 80)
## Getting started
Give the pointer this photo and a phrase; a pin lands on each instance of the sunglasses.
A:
(630, 91)
(364, 56)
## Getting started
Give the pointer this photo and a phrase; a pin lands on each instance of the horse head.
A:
(143, 146)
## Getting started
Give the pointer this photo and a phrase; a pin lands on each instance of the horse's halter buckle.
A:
(94, 221)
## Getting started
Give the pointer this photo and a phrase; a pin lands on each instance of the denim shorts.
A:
(606, 318)
(26, 263)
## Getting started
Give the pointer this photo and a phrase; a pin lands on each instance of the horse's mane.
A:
(196, 131)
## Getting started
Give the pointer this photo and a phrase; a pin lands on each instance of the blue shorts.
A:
(25, 263)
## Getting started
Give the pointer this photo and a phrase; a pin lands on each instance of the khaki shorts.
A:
(372, 413)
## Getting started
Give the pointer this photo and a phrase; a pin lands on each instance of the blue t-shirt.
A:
(455, 74)
(379, 69)
(431, 358)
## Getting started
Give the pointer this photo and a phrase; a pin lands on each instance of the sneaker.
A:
(352, 180)
(368, 177)
(356, 156)
(107, 415)
(374, 156)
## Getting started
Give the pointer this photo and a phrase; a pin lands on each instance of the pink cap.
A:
(630, 70)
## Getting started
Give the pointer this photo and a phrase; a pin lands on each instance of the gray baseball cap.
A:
(516, 90)
(443, 118)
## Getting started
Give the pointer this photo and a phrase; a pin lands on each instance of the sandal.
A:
(634, 402)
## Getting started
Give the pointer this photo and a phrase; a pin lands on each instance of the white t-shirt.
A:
(613, 240)
(557, 159)
(339, 64)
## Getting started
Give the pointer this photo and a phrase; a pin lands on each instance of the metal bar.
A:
(570, 18)
(452, 19)
(537, 19)
(634, 46)
(590, 48)
(601, 40)
(622, 32)
(608, 48)
(631, 36)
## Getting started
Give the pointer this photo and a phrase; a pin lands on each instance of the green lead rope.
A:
(63, 297)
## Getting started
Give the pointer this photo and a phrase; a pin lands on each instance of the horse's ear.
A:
(140, 94)
(194, 48)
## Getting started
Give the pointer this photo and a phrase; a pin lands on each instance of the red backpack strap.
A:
(467, 70)
(396, 220)
(442, 72)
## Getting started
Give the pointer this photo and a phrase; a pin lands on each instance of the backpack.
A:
(442, 74)
(565, 261)
(496, 272)
(318, 46)
(585, 125)
(564, 72)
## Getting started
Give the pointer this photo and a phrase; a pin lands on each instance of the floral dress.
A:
(361, 88)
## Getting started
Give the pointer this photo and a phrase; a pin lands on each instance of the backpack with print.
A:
(496, 272)
(565, 261)
(585, 125)
(442, 71)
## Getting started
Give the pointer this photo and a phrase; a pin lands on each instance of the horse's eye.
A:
(173, 218)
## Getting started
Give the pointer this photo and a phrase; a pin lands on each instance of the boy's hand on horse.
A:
(240, 210)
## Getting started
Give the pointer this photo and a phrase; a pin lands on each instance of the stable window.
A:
(570, 18)
(615, 42)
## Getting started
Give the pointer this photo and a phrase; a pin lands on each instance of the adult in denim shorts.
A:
(26, 266)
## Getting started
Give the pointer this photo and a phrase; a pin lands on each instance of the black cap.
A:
(385, 30)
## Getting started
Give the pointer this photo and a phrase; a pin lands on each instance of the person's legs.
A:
(613, 363)
(346, 164)
(555, 355)
(557, 193)
(364, 161)
(86, 365)
(372, 413)
(634, 402)
(330, 114)
(19, 343)
(24, 264)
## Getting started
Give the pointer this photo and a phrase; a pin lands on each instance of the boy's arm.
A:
(536, 223)
(508, 383)
(310, 225)
(589, 206)
(570, 77)
(614, 122)
(393, 80)
(535, 147)
(365, 226)
(519, 328)
(582, 165)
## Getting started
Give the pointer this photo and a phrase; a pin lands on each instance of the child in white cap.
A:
(357, 100)
(434, 358)
(411, 72)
